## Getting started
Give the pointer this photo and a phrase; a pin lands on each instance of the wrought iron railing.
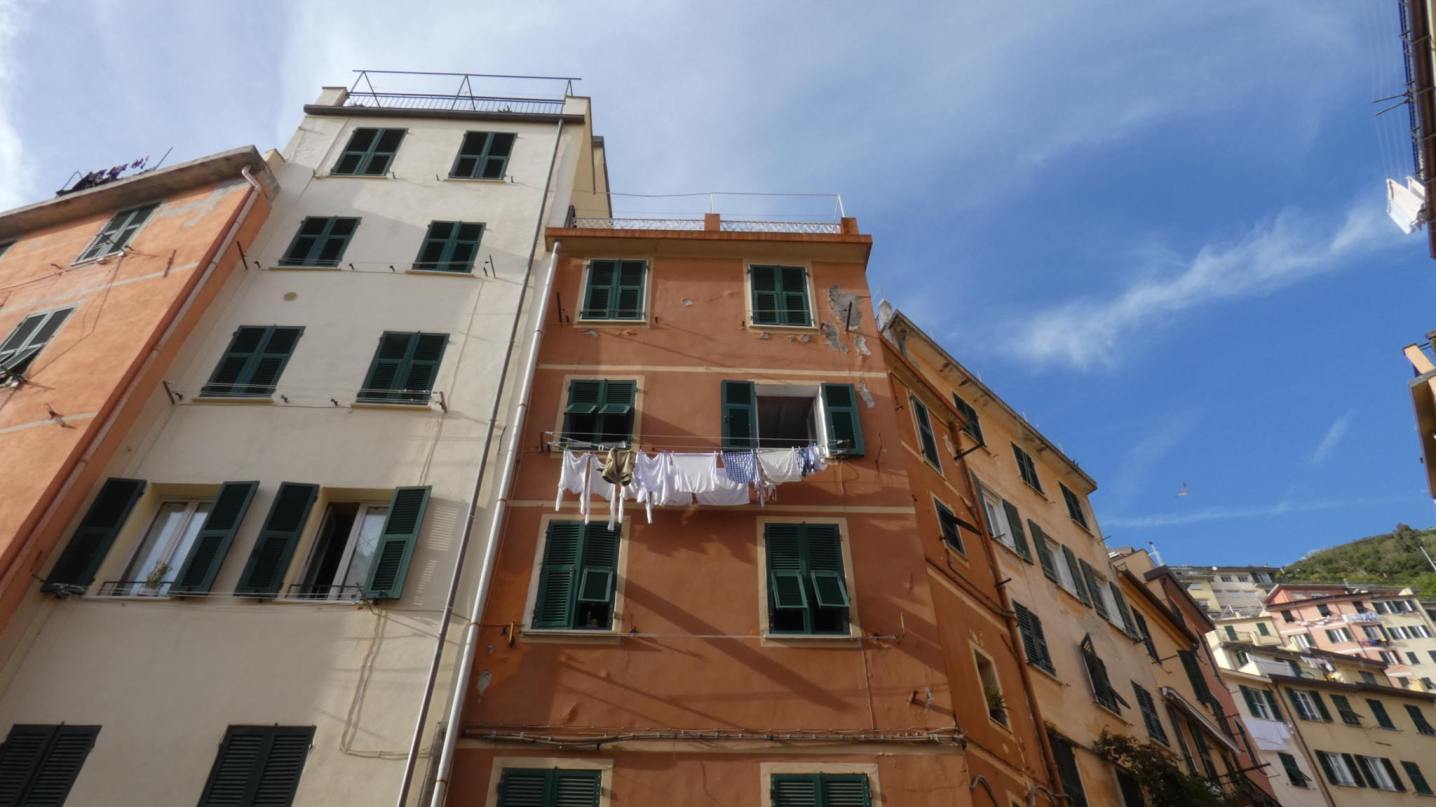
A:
(697, 225)
(135, 588)
(409, 89)
(324, 592)
(810, 227)
(453, 102)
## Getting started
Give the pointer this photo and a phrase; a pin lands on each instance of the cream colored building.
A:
(1228, 591)
(257, 599)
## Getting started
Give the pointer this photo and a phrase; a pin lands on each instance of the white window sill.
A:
(757, 326)
(827, 640)
(557, 636)
(231, 400)
(332, 175)
(421, 406)
(282, 267)
(503, 180)
(96, 259)
(609, 322)
(469, 273)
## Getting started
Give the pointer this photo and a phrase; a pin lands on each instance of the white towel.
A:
(722, 490)
(573, 478)
(696, 473)
(654, 478)
(780, 465)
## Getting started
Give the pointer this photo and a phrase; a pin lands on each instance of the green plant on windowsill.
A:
(996, 704)
(1156, 770)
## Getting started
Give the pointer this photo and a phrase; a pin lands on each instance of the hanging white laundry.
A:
(653, 477)
(780, 465)
(722, 491)
(611, 493)
(695, 473)
(574, 478)
(812, 459)
(1406, 204)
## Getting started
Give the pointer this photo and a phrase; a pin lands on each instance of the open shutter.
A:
(269, 560)
(1122, 609)
(764, 282)
(1075, 570)
(1391, 771)
(740, 416)
(1324, 760)
(845, 427)
(396, 543)
(1093, 589)
(1019, 538)
(825, 565)
(1044, 551)
(787, 589)
(269, 363)
(1315, 698)
(629, 285)
(558, 578)
(87, 548)
(214, 539)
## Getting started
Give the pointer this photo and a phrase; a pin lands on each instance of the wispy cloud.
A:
(1136, 469)
(1329, 441)
(1281, 508)
(17, 172)
(1290, 248)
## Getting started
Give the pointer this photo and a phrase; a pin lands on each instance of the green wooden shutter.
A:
(598, 301)
(258, 766)
(384, 376)
(793, 298)
(598, 573)
(97, 531)
(794, 790)
(740, 416)
(628, 290)
(1044, 551)
(575, 788)
(924, 432)
(272, 356)
(1094, 590)
(844, 790)
(523, 787)
(396, 543)
(824, 551)
(253, 362)
(1074, 570)
(1356, 772)
(421, 366)
(786, 586)
(212, 544)
(764, 283)
(42, 766)
(844, 421)
(1019, 538)
(1315, 698)
(1122, 609)
(615, 414)
(1034, 640)
(558, 577)
(269, 560)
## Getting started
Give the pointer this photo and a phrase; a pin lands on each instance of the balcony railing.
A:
(459, 92)
(1367, 616)
(453, 102)
(706, 224)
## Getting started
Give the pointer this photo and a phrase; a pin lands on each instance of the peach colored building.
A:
(98, 290)
(1386, 625)
(801, 649)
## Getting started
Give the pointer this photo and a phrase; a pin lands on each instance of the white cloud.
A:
(16, 175)
(1141, 460)
(1329, 441)
(1289, 249)
(1219, 513)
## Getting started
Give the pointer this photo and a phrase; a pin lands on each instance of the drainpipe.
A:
(491, 546)
(129, 382)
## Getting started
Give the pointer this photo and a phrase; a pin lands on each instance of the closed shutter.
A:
(786, 586)
(1019, 538)
(1391, 771)
(269, 560)
(423, 366)
(1320, 705)
(1093, 589)
(806, 578)
(523, 787)
(1122, 609)
(558, 577)
(794, 790)
(598, 303)
(58, 766)
(214, 539)
(740, 416)
(1296, 706)
(1034, 640)
(923, 420)
(386, 370)
(97, 531)
(1044, 550)
(1075, 570)
(536, 787)
(396, 543)
(845, 426)
(629, 290)
(258, 766)
(599, 571)
(404, 368)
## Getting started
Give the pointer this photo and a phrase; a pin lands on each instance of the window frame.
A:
(311, 259)
(620, 578)
(922, 417)
(174, 553)
(482, 157)
(129, 230)
(448, 245)
(586, 315)
(1025, 467)
(402, 396)
(940, 508)
(1075, 510)
(981, 662)
(12, 360)
(809, 295)
(771, 637)
(335, 592)
(366, 156)
(560, 430)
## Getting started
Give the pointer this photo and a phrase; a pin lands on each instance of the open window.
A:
(166, 544)
(343, 551)
(791, 416)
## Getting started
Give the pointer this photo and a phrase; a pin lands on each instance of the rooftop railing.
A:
(462, 92)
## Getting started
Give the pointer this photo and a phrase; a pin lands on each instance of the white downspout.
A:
(491, 546)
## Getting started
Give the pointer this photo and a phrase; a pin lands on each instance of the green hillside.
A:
(1389, 559)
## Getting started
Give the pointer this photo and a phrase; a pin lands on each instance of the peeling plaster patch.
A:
(839, 302)
(834, 340)
(862, 344)
(197, 209)
(687, 301)
(866, 394)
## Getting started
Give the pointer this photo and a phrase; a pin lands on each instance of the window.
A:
(450, 246)
(370, 152)
(1261, 703)
(599, 411)
(970, 423)
(950, 526)
(1044, 551)
(258, 765)
(549, 787)
(1338, 636)
(483, 155)
(1309, 705)
(253, 362)
(1149, 713)
(1366, 677)
(1379, 773)
(1074, 504)
(118, 233)
(991, 688)
(1340, 769)
(1419, 720)
(791, 415)
(1323, 610)
(1034, 642)
(39, 764)
(1287, 616)
(1418, 780)
(1130, 789)
(1095, 587)
(1067, 770)
(343, 551)
(1102, 691)
(615, 290)
(164, 547)
(923, 423)
(807, 586)
(1231, 632)
(1145, 633)
(1343, 708)
(1073, 577)
(578, 578)
(1294, 773)
(5, 247)
(1005, 523)
(320, 242)
(29, 338)
(404, 368)
(1241, 657)
(819, 790)
(1302, 640)
(76, 568)
(1263, 629)
(780, 295)
(1025, 468)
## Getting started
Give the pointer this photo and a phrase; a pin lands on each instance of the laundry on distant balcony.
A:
(681, 479)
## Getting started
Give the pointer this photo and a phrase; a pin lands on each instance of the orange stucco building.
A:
(752, 653)
(98, 289)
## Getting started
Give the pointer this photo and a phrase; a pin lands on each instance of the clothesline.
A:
(674, 478)
(685, 442)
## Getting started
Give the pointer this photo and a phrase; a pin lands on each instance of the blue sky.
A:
(1156, 229)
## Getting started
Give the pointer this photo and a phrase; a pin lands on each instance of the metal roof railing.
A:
(410, 89)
